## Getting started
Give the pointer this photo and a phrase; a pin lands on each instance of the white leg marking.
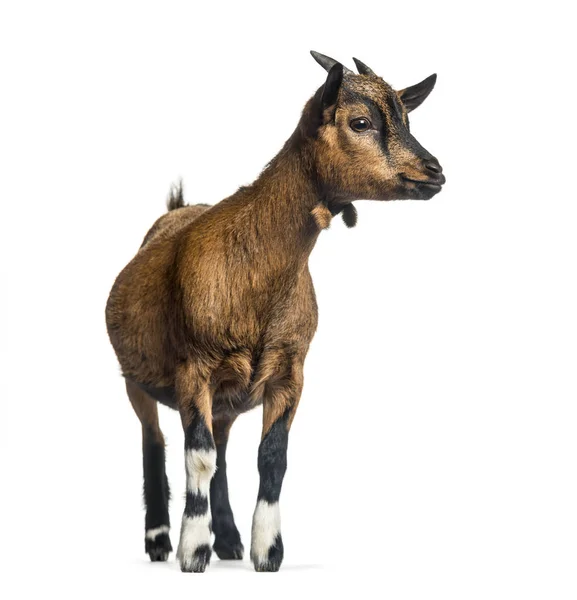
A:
(151, 534)
(195, 532)
(265, 528)
(200, 468)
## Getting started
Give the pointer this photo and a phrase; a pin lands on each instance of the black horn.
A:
(362, 68)
(326, 62)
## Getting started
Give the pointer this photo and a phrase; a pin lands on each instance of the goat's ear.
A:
(323, 104)
(415, 95)
(331, 89)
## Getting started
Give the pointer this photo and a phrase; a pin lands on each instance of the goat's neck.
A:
(279, 208)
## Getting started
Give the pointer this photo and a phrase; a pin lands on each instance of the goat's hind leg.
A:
(227, 544)
(156, 491)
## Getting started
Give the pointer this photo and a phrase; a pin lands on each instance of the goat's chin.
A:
(419, 192)
(406, 191)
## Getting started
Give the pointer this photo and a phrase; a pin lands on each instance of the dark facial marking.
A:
(395, 125)
(394, 107)
(376, 115)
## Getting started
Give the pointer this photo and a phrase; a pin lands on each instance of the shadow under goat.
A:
(215, 313)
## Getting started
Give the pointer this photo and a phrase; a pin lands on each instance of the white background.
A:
(434, 451)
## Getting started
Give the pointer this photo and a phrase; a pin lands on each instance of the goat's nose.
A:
(434, 166)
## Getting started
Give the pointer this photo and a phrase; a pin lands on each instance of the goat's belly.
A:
(231, 405)
(227, 401)
(165, 395)
(237, 385)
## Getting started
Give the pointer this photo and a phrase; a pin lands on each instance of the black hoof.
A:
(198, 562)
(274, 559)
(159, 548)
(227, 551)
(227, 544)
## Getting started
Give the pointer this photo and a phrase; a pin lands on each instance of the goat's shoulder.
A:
(293, 320)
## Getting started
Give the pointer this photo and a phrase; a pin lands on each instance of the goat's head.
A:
(363, 145)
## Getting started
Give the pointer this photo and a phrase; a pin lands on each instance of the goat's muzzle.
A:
(433, 179)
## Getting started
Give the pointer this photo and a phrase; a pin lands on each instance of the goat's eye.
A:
(360, 125)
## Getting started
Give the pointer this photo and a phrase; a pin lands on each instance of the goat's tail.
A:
(175, 197)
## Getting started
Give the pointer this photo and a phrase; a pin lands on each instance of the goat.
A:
(215, 313)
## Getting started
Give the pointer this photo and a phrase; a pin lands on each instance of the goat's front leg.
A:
(195, 405)
(278, 411)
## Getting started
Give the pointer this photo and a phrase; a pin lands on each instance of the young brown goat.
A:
(215, 313)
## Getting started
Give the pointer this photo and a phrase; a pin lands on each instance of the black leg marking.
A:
(194, 549)
(267, 547)
(227, 543)
(274, 558)
(196, 505)
(156, 497)
(159, 548)
(201, 558)
(272, 461)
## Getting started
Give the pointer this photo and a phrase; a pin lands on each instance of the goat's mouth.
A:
(424, 189)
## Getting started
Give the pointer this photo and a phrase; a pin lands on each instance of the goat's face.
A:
(364, 148)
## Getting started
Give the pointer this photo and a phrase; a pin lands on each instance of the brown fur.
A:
(322, 216)
(218, 303)
(221, 428)
(146, 410)
(205, 301)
